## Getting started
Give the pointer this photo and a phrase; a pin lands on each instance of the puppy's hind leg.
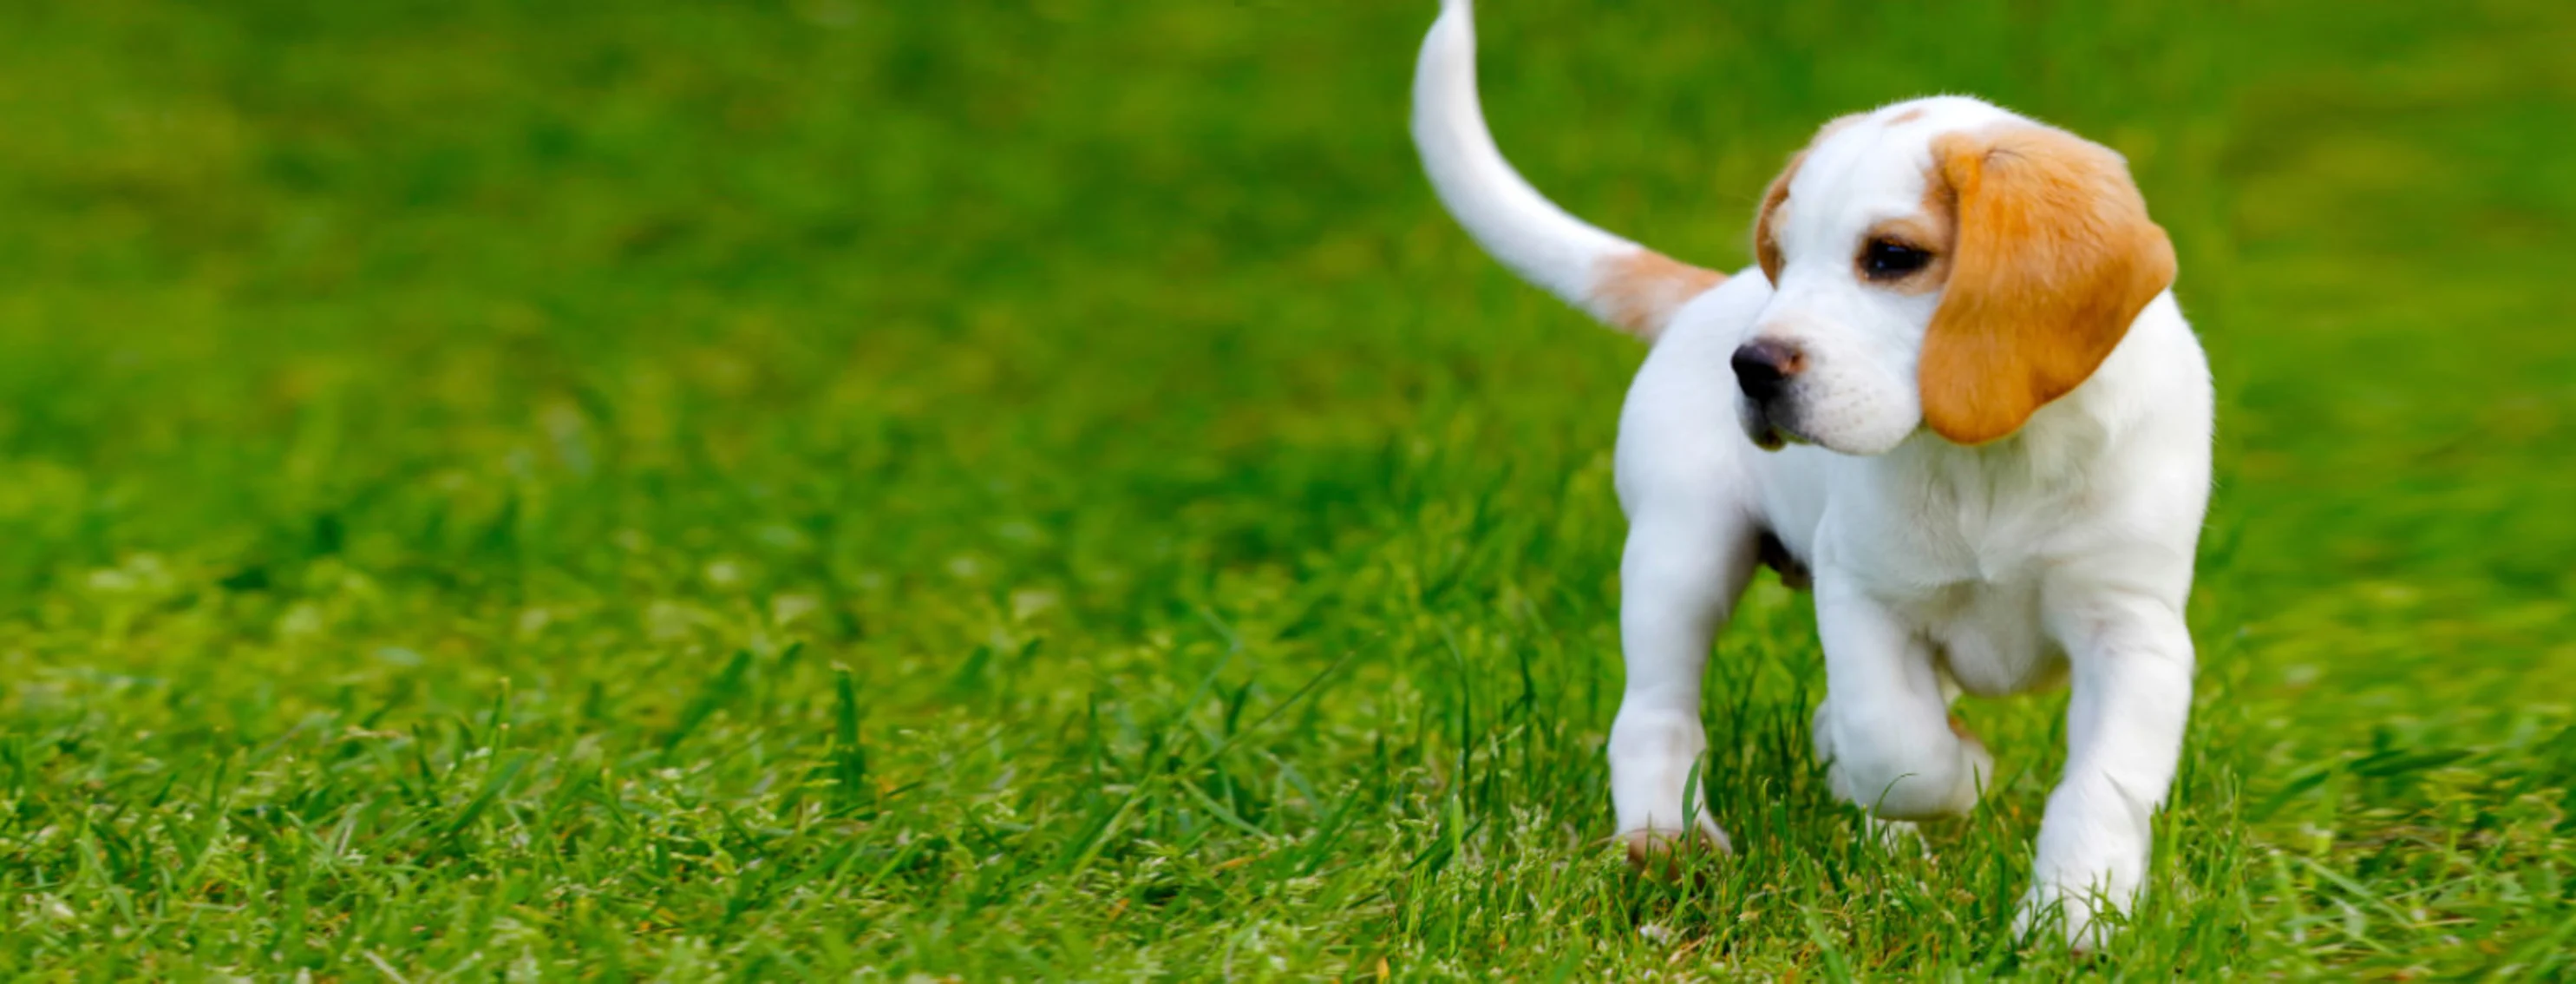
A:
(1679, 580)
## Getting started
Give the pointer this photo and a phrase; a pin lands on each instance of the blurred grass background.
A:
(1042, 491)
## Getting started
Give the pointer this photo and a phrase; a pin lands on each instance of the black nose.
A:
(1764, 367)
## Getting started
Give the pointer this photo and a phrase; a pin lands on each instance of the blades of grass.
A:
(848, 758)
(723, 689)
(2538, 958)
(493, 789)
(1087, 847)
(1220, 810)
(2272, 805)
(1283, 707)
(1319, 846)
(2354, 889)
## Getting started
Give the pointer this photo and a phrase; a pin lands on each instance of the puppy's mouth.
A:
(1768, 429)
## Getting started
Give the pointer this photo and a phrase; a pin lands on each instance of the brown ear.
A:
(2055, 256)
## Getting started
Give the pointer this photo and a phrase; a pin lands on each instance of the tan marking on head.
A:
(1766, 239)
(1639, 291)
(1766, 242)
(2054, 256)
(1905, 117)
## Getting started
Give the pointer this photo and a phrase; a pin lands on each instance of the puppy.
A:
(1957, 395)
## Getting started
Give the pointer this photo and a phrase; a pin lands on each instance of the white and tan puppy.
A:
(1957, 394)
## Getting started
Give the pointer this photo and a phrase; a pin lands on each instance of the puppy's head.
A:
(1940, 264)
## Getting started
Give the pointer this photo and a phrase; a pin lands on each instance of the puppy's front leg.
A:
(1679, 579)
(2131, 662)
(1884, 728)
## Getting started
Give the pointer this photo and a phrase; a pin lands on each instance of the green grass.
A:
(775, 492)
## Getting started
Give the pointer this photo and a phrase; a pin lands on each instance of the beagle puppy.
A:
(1956, 397)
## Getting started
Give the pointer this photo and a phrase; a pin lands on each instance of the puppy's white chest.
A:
(1987, 636)
(1975, 597)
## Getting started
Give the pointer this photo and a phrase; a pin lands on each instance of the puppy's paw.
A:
(1659, 852)
(2085, 920)
(1897, 836)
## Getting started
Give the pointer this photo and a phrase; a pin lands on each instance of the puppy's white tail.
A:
(1627, 286)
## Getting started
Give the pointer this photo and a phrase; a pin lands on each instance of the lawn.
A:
(890, 488)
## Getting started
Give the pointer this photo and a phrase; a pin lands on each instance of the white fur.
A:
(1510, 219)
(2060, 553)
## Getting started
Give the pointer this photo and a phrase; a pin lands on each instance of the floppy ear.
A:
(2054, 257)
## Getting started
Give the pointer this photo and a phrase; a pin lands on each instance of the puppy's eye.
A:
(1887, 259)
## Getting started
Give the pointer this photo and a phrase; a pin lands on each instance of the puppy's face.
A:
(1940, 264)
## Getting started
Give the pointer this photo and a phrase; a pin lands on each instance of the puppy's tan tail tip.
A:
(1639, 290)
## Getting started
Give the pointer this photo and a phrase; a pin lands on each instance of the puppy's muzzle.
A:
(1766, 369)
